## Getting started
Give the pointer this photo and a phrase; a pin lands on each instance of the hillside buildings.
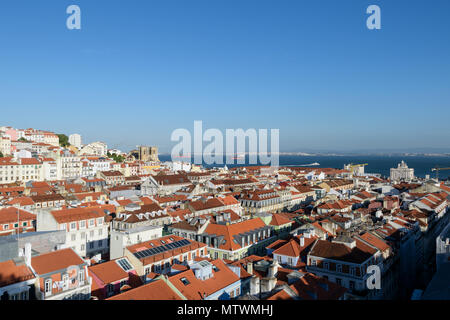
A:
(78, 224)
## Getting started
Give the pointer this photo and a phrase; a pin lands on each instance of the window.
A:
(91, 222)
(24, 295)
(83, 235)
(48, 286)
(100, 243)
(185, 281)
(65, 280)
(100, 231)
(82, 247)
(339, 281)
(5, 226)
(339, 268)
(81, 276)
(73, 237)
(109, 288)
(24, 224)
(352, 285)
(91, 245)
(83, 224)
(91, 234)
(73, 225)
(99, 221)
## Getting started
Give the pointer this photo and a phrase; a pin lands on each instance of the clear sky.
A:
(138, 69)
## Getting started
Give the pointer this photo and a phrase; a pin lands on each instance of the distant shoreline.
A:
(342, 154)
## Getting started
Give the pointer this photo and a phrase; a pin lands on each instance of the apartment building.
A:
(164, 184)
(159, 255)
(236, 240)
(14, 220)
(112, 178)
(20, 170)
(5, 146)
(69, 165)
(120, 239)
(345, 261)
(86, 230)
(61, 275)
(264, 201)
(16, 280)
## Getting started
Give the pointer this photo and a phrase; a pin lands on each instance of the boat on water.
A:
(303, 165)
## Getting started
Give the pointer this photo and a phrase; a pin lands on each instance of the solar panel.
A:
(162, 248)
(124, 264)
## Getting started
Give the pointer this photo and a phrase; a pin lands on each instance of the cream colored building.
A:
(5, 146)
(22, 170)
(402, 172)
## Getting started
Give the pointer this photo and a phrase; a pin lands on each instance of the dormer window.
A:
(185, 281)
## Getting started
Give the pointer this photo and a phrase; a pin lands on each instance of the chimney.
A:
(250, 267)
(273, 269)
(302, 241)
(28, 254)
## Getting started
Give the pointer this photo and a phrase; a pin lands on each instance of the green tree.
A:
(63, 140)
(115, 157)
(23, 139)
(1, 155)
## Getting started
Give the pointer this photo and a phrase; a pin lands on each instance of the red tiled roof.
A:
(156, 290)
(55, 260)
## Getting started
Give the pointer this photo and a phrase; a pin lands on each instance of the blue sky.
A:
(137, 70)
